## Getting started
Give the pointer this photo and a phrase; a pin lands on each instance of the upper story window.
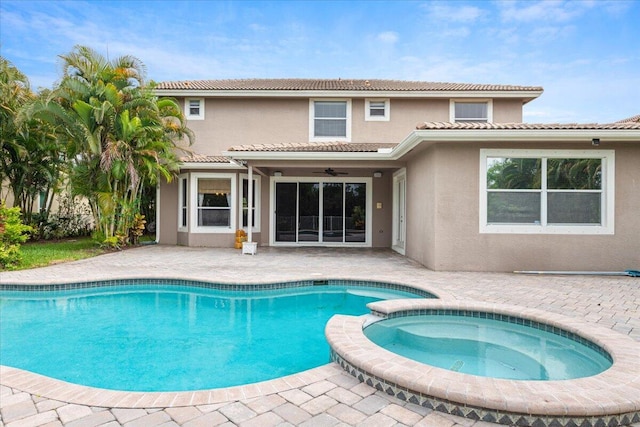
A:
(547, 191)
(194, 108)
(472, 111)
(376, 110)
(330, 120)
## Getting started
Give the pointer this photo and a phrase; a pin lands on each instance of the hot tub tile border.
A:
(477, 413)
(500, 317)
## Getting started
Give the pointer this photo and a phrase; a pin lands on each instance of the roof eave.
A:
(526, 95)
(209, 165)
(563, 135)
(513, 135)
(417, 137)
(304, 155)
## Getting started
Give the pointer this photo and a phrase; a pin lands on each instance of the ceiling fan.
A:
(332, 172)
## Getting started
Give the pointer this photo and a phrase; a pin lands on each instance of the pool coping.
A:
(52, 388)
(609, 398)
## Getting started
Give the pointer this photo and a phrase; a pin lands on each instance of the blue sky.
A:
(586, 54)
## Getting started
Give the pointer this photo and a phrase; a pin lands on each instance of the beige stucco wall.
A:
(507, 111)
(167, 211)
(420, 213)
(443, 211)
(230, 122)
(381, 228)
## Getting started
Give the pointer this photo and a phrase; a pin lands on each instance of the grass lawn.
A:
(40, 254)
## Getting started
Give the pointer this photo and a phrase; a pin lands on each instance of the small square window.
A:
(376, 110)
(194, 108)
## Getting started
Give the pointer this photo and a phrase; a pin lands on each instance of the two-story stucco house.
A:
(446, 174)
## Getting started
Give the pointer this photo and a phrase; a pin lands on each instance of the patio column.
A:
(250, 204)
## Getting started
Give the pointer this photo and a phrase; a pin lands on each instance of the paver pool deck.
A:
(325, 396)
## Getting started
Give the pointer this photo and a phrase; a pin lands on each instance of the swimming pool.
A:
(477, 343)
(158, 337)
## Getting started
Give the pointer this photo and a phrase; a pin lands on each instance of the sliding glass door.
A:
(322, 212)
(308, 206)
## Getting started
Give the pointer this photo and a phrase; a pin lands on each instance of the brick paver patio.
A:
(326, 396)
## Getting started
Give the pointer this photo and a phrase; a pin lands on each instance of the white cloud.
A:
(389, 37)
(440, 12)
(542, 11)
(459, 32)
(545, 34)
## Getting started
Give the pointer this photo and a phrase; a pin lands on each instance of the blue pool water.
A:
(165, 338)
(487, 347)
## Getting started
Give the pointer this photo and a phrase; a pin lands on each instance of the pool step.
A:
(457, 366)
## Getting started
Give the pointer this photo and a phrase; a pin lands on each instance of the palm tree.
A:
(120, 136)
(30, 156)
(14, 93)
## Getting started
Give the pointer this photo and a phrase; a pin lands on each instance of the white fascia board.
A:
(215, 166)
(524, 94)
(304, 155)
(565, 135)
(515, 135)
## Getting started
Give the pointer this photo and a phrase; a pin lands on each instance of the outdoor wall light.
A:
(595, 142)
(277, 173)
(377, 174)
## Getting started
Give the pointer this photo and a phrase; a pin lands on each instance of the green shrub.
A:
(12, 233)
(73, 219)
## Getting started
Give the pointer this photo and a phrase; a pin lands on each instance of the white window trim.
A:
(193, 204)
(452, 107)
(312, 137)
(187, 112)
(367, 110)
(257, 185)
(608, 193)
(369, 211)
(181, 179)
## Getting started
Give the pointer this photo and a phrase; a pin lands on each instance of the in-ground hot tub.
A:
(610, 397)
(479, 343)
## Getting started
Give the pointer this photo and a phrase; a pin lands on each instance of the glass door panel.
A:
(332, 212)
(286, 193)
(355, 211)
(308, 211)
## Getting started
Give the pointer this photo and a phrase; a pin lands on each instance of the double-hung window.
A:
(376, 110)
(480, 111)
(547, 191)
(215, 203)
(330, 120)
(194, 108)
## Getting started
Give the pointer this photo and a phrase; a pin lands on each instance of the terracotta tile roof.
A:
(200, 158)
(345, 147)
(334, 85)
(634, 119)
(526, 126)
